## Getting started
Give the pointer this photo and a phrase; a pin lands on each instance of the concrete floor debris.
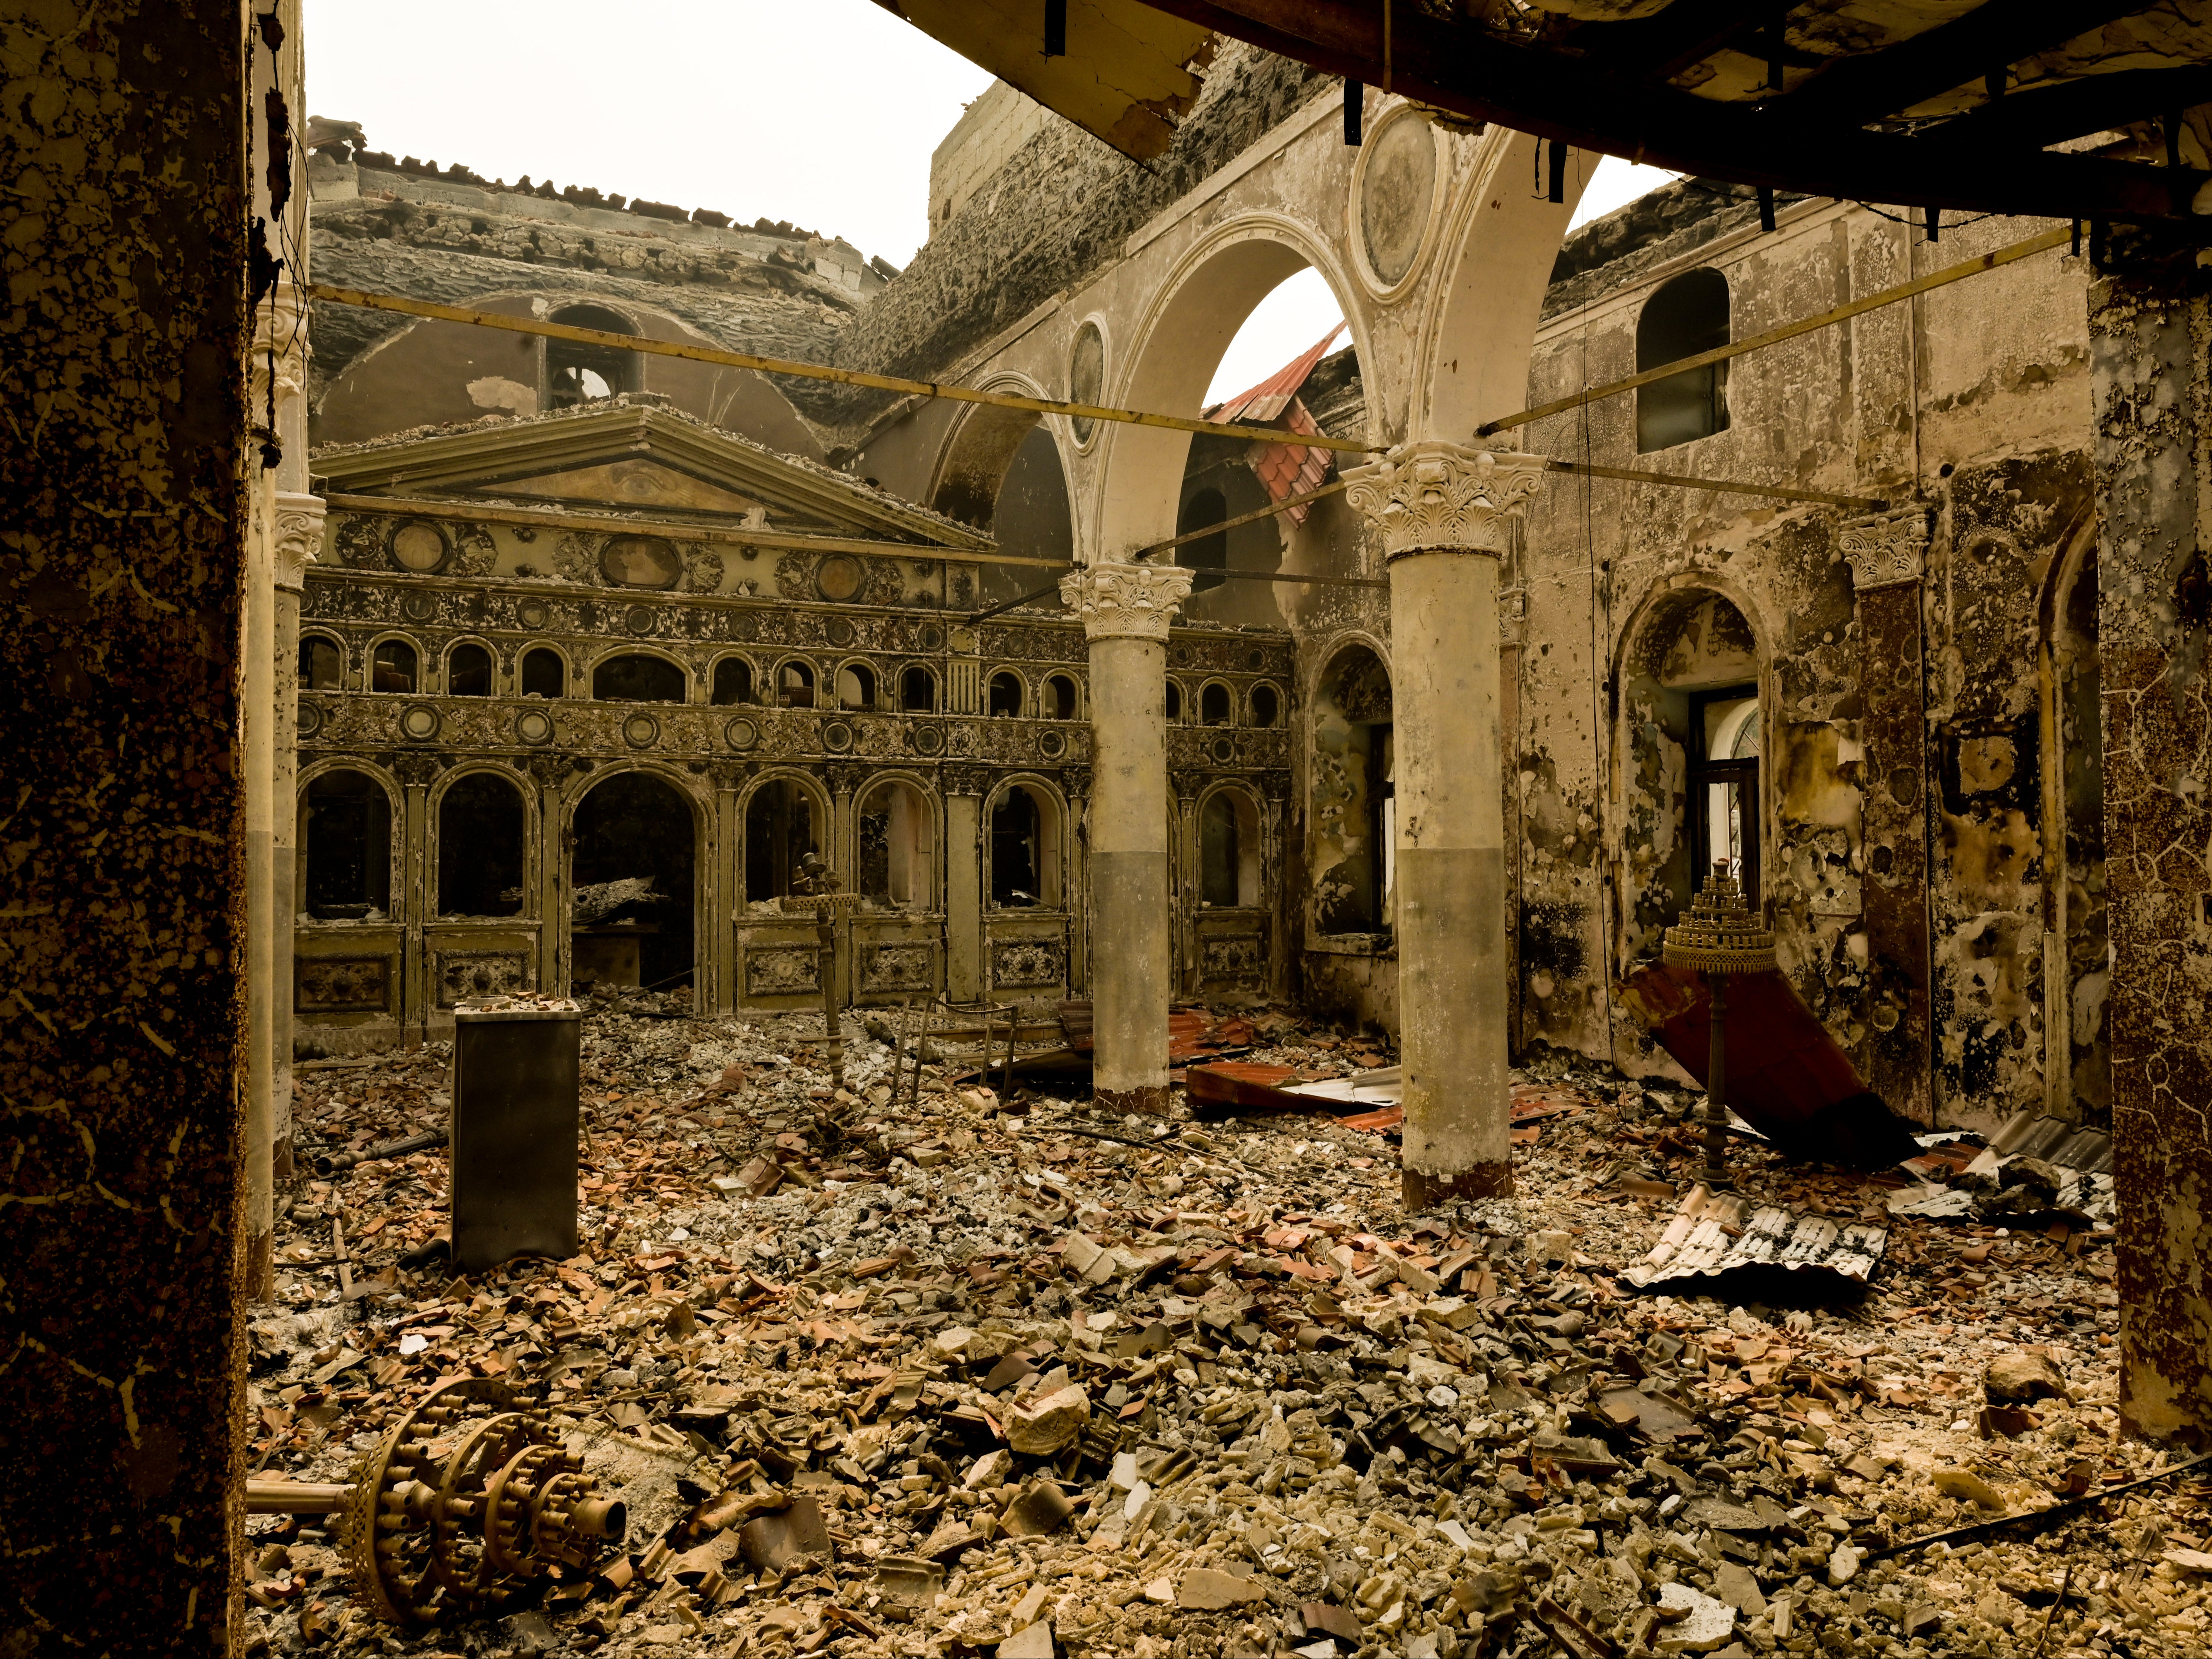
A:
(1004, 1377)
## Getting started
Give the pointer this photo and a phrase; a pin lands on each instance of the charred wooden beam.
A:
(2074, 109)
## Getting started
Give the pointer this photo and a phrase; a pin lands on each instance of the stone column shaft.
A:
(1125, 611)
(1442, 512)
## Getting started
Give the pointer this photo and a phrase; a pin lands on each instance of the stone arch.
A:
(382, 880)
(774, 834)
(896, 861)
(1230, 870)
(1047, 850)
(1007, 470)
(467, 860)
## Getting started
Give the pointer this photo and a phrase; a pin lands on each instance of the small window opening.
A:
(1059, 698)
(1005, 695)
(480, 839)
(1685, 317)
(733, 680)
(856, 686)
(346, 837)
(1208, 555)
(1214, 705)
(1267, 706)
(779, 833)
(579, 373)
(918, 691)
(468, 671)
(394, 667)
(896, 843)
(543, 673)
(794, 686)
(638, 679)
(1229, 851)
(1175, 700)
(322, 664)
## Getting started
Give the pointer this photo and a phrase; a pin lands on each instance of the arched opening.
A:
(322, 664)
(1173, 701)
(468, 671)
(1024, 850)
(1354, 775)
(1215, 705)
(1060, 700)
(1002, 472)
(856, 686)
(918, 691)
(733, 682)
(1683, 317)
(898, 843)
(480, 847)
(1208, 555)
(794, 685)
(779, 831)
(543, 673)
(1691, 737)
(579, 374)
(1004, 695)
(638, 676)
(2080, 1029)
(634, 867)
(393, 667)
(1229, 851)
(1267, 706)
(345, 848)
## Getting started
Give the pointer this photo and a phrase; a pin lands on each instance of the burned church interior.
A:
(722, 948)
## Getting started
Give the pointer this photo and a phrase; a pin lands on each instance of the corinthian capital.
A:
(299, 533)
(1126, 601)
(1433, 495)
(1885, 549)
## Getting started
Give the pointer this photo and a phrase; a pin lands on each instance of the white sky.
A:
(820, 111)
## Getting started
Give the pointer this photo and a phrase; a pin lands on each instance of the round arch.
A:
(617, 652)
(515, 866)
(461, 642)
(635, 837)
(1231, 873)
(979, 446)
(320, 886)
(1184, 332)
(896, 860)
(783, 814)
(1015, 846)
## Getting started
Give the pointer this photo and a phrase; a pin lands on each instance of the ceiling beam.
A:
(1997, 33)
(1551, 94)
(2074, 109)
(1661, 47)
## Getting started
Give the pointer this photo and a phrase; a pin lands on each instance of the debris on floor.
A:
(1002, 1375)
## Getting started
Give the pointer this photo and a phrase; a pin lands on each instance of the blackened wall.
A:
(121, 238)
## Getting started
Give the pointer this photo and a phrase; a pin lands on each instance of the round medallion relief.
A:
(639, 619)
(1397, 194)
(641, 562)
(420, 547)
(311, 719)
(419, 607)
(419, 722)
(837, 737)
(532, 613)
(928, 740)
(533, 727)
(932, 637)
(838, 630)
(839, 577)
(1052, 745)
(1086, 376)
(741, 733)
(640, 731)
(1224, 749)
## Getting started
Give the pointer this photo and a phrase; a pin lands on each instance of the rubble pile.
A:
(1003, 1376)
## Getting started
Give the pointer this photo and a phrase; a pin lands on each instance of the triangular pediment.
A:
(644, 458)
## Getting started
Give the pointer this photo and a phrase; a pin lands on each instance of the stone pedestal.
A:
(1126, 609)
(1443, 513)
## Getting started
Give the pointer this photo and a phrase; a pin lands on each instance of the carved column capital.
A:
(1885, 549)
(1434, 496)
(279, 345)
(298, 534)
(1076, 779)
(1126, 601)
(966, 780)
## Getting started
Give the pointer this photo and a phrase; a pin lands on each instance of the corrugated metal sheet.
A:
(1717, 1234)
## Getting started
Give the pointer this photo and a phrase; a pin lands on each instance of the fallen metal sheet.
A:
(1786, 1077)
(1716, 1235)
(1229, 1088)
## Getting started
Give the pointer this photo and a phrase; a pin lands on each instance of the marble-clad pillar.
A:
(1443, 514)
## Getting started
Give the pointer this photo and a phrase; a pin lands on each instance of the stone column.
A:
(963, 881)
(1126, 609)
(1886, 554)
(298, 536)
(2149, 331)
(1443, 513)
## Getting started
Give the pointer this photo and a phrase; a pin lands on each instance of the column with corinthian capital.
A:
(1126, 609)
(1443, 513)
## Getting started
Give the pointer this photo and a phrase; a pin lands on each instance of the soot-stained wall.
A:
(122, 239)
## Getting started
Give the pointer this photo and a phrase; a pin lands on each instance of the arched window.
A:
(856, 686)
(638, 677)
(1175, 700)
(1214, 704)
(1024, 850)
(794, 686)
(779, 833)
(918, 691)
(733, 680)
(1267, 706)
(633, 871)
(543, 673)
(1229, 851)
(1006, 699)
(322, 664)
(1208, 554)
(579, 373)
(1685, 316)
(468, 671)
(1353, 776)
(1059, 698)
(346, 848)
(393, 669)
(480, 835)
(898, 841)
